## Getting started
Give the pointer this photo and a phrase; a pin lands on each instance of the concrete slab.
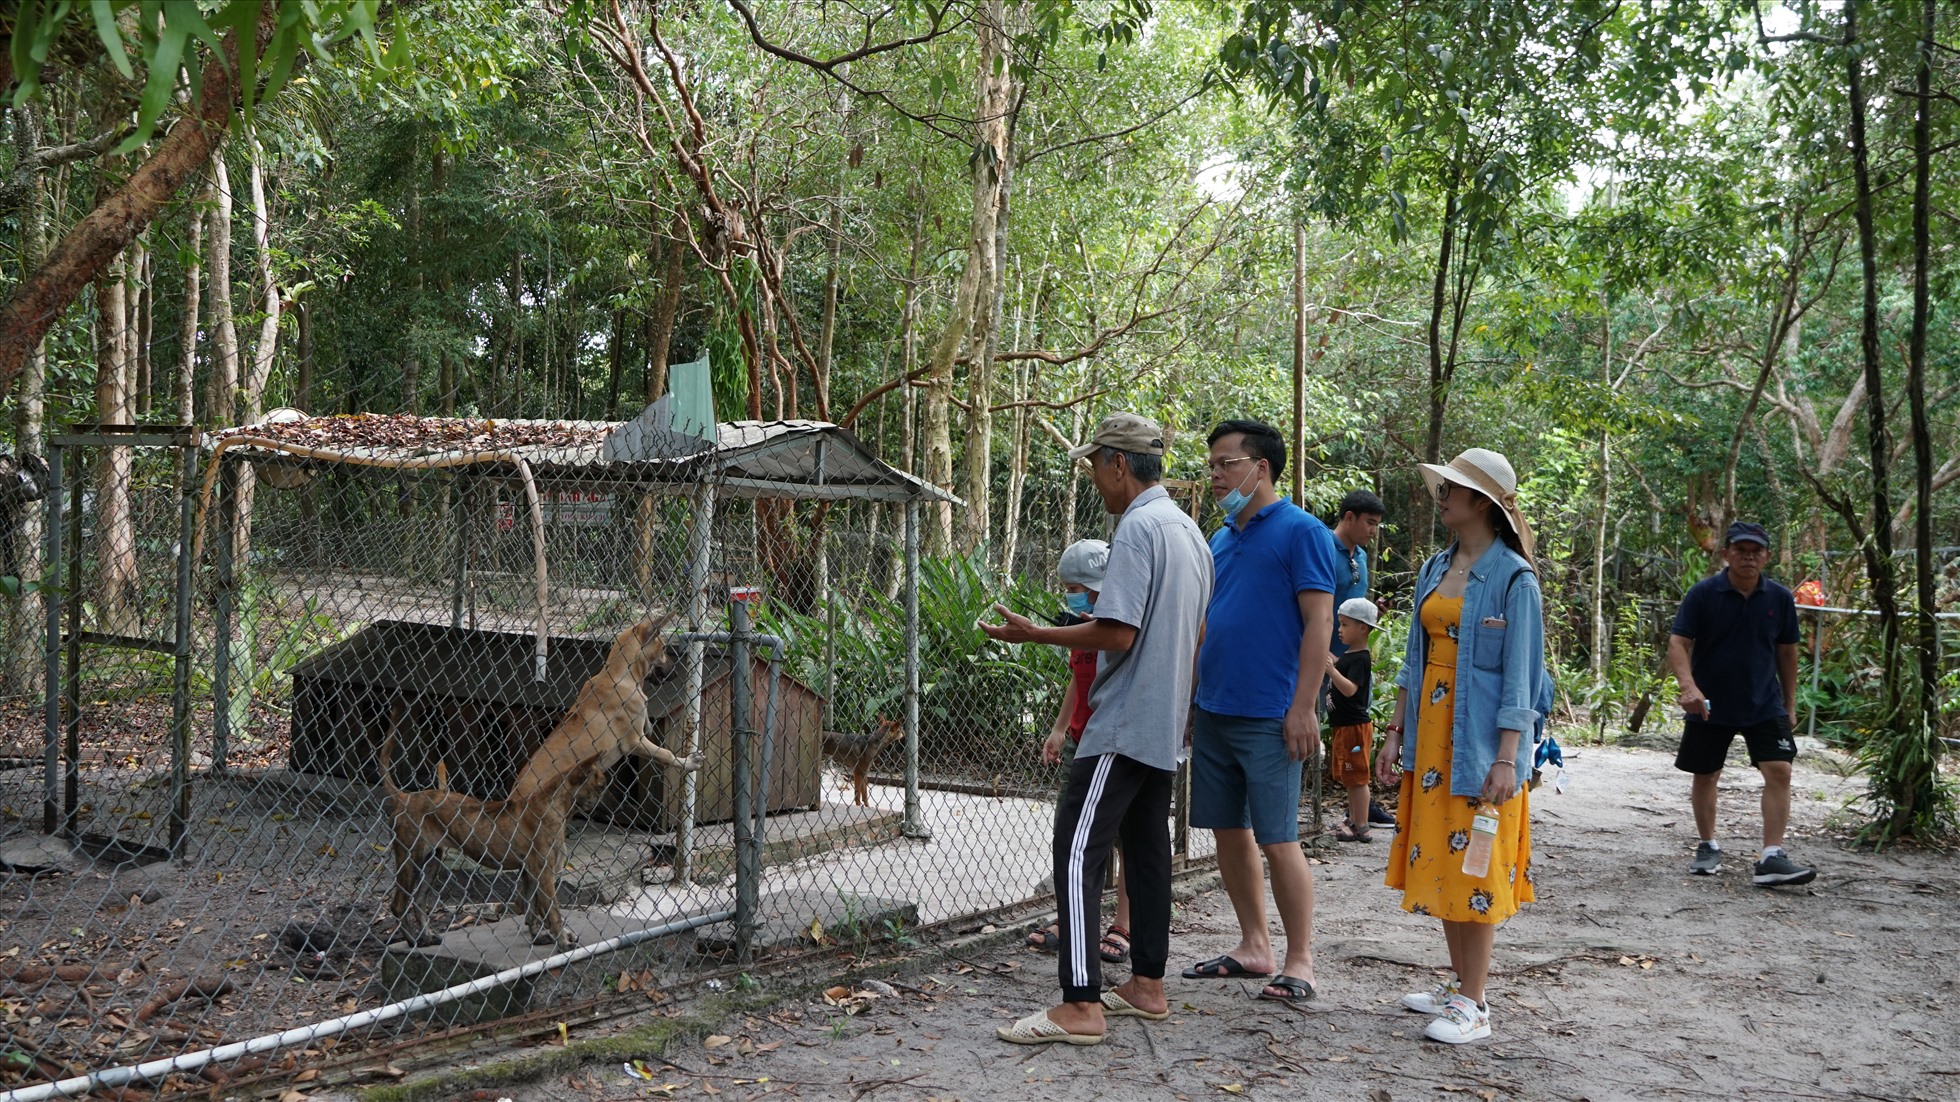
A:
(785, 919)
(477, 951)
(788, 836)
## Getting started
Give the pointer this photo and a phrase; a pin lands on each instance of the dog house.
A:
(467, 698)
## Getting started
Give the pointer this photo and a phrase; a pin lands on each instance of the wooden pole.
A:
(1299, 359)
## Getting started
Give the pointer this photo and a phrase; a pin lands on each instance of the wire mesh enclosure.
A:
(454, 720)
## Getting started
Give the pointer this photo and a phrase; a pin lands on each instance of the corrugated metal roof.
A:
(812, 460)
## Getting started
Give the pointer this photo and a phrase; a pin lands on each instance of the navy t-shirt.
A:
(1734, 657)
(1350, 580)
(1250, 660)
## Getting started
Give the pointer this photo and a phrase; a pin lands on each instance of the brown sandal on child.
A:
(1115, 947)
(1344, 831)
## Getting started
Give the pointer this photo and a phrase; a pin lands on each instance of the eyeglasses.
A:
(1443, 491)
(1354, 568)
(1219, 466)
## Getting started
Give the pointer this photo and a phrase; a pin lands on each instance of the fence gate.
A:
(121, 579)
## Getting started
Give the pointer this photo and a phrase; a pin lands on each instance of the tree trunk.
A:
(997, 136)
(303, 376)
(614, 356)
(143, 265)
(222, 382)
(908, 356)
(183, 392)
(412, 362)
(25, 625)
(90, 244)
(1600, 636)
(115, 536)
(1439, 394)
(1024, 383)
(660, 336)
(1918, 784)
(1878, 554)
(266, 347)
(976, 279)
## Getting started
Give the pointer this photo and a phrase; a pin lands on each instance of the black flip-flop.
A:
(1222, 967)
(1297, 990)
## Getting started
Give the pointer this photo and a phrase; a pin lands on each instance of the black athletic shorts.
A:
(1705, 746)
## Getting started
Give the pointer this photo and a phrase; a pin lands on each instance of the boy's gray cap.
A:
(1362, 609)
(1126, 432)
(1084, 563)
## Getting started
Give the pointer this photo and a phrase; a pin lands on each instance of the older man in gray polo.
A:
(1149, 615)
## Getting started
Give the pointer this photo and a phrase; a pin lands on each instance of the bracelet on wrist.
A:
(1393, 727)
(1512, 762)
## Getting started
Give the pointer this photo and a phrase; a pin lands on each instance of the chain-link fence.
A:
(455, 720)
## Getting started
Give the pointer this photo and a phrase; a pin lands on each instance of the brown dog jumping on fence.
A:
(523, 835)
(608, 721)
(855, 752)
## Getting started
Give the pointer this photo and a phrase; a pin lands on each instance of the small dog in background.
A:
(525, 835)
(856, 752)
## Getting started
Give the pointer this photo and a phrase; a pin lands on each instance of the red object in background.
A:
(1811, 593)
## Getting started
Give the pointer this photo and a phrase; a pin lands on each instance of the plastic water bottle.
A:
(1483, 838)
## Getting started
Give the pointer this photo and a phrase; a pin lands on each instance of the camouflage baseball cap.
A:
(1126, 432)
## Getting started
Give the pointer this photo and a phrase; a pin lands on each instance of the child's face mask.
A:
(1079, 603)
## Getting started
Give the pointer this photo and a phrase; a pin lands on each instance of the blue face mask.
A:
(1079, 603)
(1238, 499)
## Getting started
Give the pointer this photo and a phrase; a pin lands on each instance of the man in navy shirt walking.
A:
(1734, 653)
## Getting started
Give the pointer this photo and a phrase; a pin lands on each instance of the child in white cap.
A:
(1351, 730)
(1082, 568)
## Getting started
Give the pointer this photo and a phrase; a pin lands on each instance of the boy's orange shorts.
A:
(1353, 750)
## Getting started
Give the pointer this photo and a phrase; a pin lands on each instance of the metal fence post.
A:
(700, 550)
(71, 689)
(51, 605)
(914, 827)
(748, 865)
(180, 665)
(226, 594)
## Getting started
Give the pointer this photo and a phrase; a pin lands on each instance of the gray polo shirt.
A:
(1159, 582)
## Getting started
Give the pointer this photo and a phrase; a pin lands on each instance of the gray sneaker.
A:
(1708, 860)
(1777, 871)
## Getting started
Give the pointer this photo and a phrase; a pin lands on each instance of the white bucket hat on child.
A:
(1084, 563)
(1362, 609)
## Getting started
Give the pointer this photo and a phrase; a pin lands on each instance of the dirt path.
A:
(1629, 979)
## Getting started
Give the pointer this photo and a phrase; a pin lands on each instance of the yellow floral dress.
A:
(1426, 859)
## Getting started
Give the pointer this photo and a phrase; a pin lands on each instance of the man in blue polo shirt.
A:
(1259, 670)
(1734, 653)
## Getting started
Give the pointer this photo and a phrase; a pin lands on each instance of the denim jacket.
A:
(1500, 666)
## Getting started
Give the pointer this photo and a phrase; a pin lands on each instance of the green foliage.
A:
(164, 35)
(980, 703)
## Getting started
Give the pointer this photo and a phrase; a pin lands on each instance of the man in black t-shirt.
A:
(1734, 652)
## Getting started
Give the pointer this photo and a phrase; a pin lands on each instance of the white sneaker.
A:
(1433, 1001)
(1462, 1020)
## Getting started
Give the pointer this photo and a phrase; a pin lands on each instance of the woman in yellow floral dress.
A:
(1473, 689)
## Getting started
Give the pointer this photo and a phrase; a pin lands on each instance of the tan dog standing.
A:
(856, 752)
(525, 835)
(608, 721)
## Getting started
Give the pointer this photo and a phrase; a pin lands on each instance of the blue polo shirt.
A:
(1350, 580)
(1250, 660)
(1734, 657)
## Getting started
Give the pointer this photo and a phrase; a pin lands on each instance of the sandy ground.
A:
(1629, 979)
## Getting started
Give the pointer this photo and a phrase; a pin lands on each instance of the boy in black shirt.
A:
(1352, 732)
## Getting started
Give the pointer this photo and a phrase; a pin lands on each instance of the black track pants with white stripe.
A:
(1111, 797)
